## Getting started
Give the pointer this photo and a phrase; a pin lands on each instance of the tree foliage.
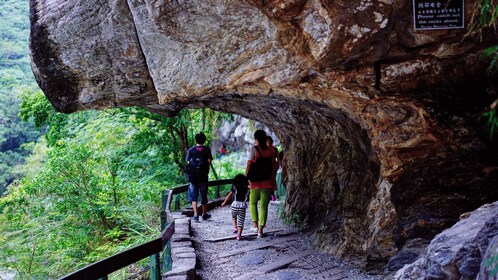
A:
(99, 190)
(15, 77)
(91, 186)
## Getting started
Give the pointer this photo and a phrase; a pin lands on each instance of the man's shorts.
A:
(193, 192)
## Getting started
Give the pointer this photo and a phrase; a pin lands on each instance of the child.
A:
(241, 191)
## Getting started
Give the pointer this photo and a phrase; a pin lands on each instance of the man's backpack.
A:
(198, 165)
(261, 169)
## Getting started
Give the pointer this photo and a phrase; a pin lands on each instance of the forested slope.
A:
(15, 77)
(90, 186)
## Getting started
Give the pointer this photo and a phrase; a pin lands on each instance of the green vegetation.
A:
(15, 77)
(99, 190)
(486, 17)
(90, 187)
(295, 220)
(492, 119)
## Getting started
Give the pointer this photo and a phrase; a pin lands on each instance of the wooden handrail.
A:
(220, 182)
(180, 189)
(183, 189)
(106, 266)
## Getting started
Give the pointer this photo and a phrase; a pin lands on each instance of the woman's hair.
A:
(240, 180)
(268, 138)
(260, 135)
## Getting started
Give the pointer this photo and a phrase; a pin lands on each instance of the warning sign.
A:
(438, 14)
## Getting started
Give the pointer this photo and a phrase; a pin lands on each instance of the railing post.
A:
(155, 267)
(155, 262)
(166, 253)
(167, 261)
(164, 218)
(217, 192)
(177, 202)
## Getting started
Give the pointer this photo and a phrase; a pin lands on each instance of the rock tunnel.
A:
(378, 119)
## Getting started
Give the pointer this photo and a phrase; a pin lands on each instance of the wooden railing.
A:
(101, 269)
(169, 195)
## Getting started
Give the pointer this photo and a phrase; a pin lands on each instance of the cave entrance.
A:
(330, 172)
(233, 140)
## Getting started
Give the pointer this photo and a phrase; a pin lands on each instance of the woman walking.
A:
(262, 189)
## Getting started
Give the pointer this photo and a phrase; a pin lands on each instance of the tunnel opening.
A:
(331, 173)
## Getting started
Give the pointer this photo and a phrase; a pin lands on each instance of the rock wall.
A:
(460, 251)
(378, 120)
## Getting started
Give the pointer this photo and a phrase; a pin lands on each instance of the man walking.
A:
(198, 160)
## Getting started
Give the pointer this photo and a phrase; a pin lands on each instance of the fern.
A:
(492, 121)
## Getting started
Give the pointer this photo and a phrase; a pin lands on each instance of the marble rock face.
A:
(464, 251)
(378, 119)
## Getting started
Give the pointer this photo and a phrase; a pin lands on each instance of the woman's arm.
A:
(247, 167)
(250, 160)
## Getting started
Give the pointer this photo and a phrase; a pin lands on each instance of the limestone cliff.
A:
(378, 119)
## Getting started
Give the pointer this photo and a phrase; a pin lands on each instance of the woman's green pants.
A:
(264, 197)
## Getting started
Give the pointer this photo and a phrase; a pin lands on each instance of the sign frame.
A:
(437, 10)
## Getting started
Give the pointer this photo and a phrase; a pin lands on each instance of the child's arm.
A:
(229, 196)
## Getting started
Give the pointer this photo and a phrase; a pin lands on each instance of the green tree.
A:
(15, 77)
(13, 134)
(99, 190)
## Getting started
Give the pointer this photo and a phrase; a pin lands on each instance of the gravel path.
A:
(284, 254)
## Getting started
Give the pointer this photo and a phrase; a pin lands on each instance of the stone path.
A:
(284, 253)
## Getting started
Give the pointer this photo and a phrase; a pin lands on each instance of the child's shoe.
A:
(196, 218)
(254, 229)
(234, 230)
